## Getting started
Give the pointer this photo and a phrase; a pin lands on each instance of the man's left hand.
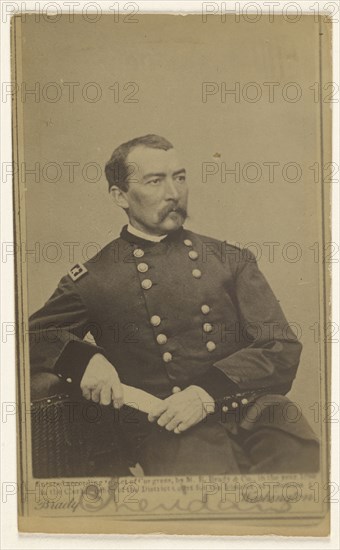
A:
(183, 409)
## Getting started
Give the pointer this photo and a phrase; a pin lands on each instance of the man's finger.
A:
(165, 418)
(117, 403)
(105, 396)
(117, 390)
(157, 411)
(183, 426)
(181, 417)
(86, 392)
(95, 393)
(173, 423)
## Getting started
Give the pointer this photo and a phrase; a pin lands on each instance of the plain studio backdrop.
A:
(98, 84)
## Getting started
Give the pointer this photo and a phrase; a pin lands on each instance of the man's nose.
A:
(171, 191)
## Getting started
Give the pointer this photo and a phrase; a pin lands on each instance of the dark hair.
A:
(116, 169)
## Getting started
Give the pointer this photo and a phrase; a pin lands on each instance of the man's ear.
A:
(119, 196)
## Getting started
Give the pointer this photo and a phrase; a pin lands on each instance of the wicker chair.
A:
(72, 437)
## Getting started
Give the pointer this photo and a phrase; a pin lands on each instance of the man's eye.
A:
(154, 181)
(181, 179)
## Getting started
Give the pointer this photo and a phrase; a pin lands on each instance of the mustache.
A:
(174, 208)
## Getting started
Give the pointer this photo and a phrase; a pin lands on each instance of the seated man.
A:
(185, 317)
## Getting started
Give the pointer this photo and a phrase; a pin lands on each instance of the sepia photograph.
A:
(173, 252)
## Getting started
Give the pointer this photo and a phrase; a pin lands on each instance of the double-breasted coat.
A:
(187, 310)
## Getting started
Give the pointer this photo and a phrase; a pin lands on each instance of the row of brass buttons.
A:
(161, 338)
(197, 274)
(235, 405)
(207, 327)
(155, 320)
(193, 255)
(146, 284)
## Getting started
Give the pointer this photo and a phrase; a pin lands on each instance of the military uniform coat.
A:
(187, 310)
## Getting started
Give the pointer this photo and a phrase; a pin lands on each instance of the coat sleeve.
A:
(56, 335)
(271, 352)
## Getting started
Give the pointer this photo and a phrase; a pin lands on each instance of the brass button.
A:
(69, 380)
(161, 339)
(155, 320)
(234, 405)
(138, 253)
(205, 309)
(244, 401)
(225, 408)
(142, 268)
(211, 346)
(176, 389)
(207, 327)
(146, 284)
(187, 242)
(193, 255)
(196, 273)
(167, 357)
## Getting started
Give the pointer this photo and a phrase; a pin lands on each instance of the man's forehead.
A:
(148, 159)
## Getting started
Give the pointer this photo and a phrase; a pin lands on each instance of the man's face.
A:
(157, 190)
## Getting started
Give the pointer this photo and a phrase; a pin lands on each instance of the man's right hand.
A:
(101, 382)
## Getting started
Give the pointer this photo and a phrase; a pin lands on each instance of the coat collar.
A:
(137, 233)
(134, 239)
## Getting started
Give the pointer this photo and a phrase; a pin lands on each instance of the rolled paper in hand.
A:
(139, 399)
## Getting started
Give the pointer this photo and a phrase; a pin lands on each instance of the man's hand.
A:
(101, 382)
(184, 409)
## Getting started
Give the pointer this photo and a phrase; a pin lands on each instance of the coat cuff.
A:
(71, 364)
(217, 384)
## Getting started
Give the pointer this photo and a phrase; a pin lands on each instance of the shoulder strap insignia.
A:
(77, 271)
